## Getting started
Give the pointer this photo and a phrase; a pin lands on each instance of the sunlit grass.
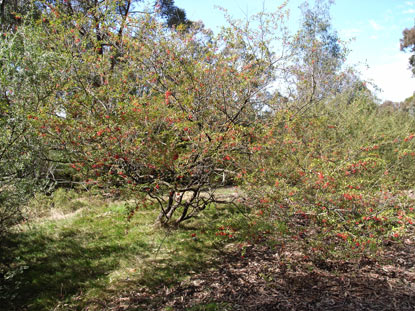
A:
(95, 253)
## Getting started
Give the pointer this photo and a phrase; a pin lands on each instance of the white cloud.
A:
(374, 37)
(410, 3)
(393, 77)
(375, 25)
(409, 11)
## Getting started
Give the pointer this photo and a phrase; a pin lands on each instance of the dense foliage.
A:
(168, 115)
(23, 167)
(336, 178)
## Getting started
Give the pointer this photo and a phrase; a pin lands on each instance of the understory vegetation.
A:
(147, 163)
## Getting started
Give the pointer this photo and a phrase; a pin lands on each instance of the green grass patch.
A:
(74, 261)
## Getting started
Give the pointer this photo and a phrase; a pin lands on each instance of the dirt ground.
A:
(259, 281)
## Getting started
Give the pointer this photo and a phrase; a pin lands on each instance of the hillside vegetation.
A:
(154, 166)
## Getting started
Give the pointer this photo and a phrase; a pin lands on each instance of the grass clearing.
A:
(94, 253)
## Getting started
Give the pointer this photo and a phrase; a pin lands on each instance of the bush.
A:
(336, 177)
(163, 113)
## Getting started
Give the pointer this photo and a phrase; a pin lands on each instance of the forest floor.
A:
(260, 280)
(91, 258)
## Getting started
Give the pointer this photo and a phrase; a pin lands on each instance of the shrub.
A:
(336, 176)
(166, 114)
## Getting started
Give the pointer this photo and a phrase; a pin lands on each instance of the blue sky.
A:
(375, 25)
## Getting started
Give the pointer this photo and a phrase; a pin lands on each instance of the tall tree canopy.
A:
(11, 11)
(173, 15)
(408, 42)
(318, 53)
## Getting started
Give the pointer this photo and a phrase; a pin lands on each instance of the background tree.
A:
(318, 56)
(173, 15)
(408, 42)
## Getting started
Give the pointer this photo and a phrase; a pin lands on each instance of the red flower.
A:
(347, 196)
(343, 236)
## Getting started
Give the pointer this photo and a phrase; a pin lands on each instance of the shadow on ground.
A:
(56, 268)
(62, 265)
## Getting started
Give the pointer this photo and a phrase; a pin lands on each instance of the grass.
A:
(90, 255)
